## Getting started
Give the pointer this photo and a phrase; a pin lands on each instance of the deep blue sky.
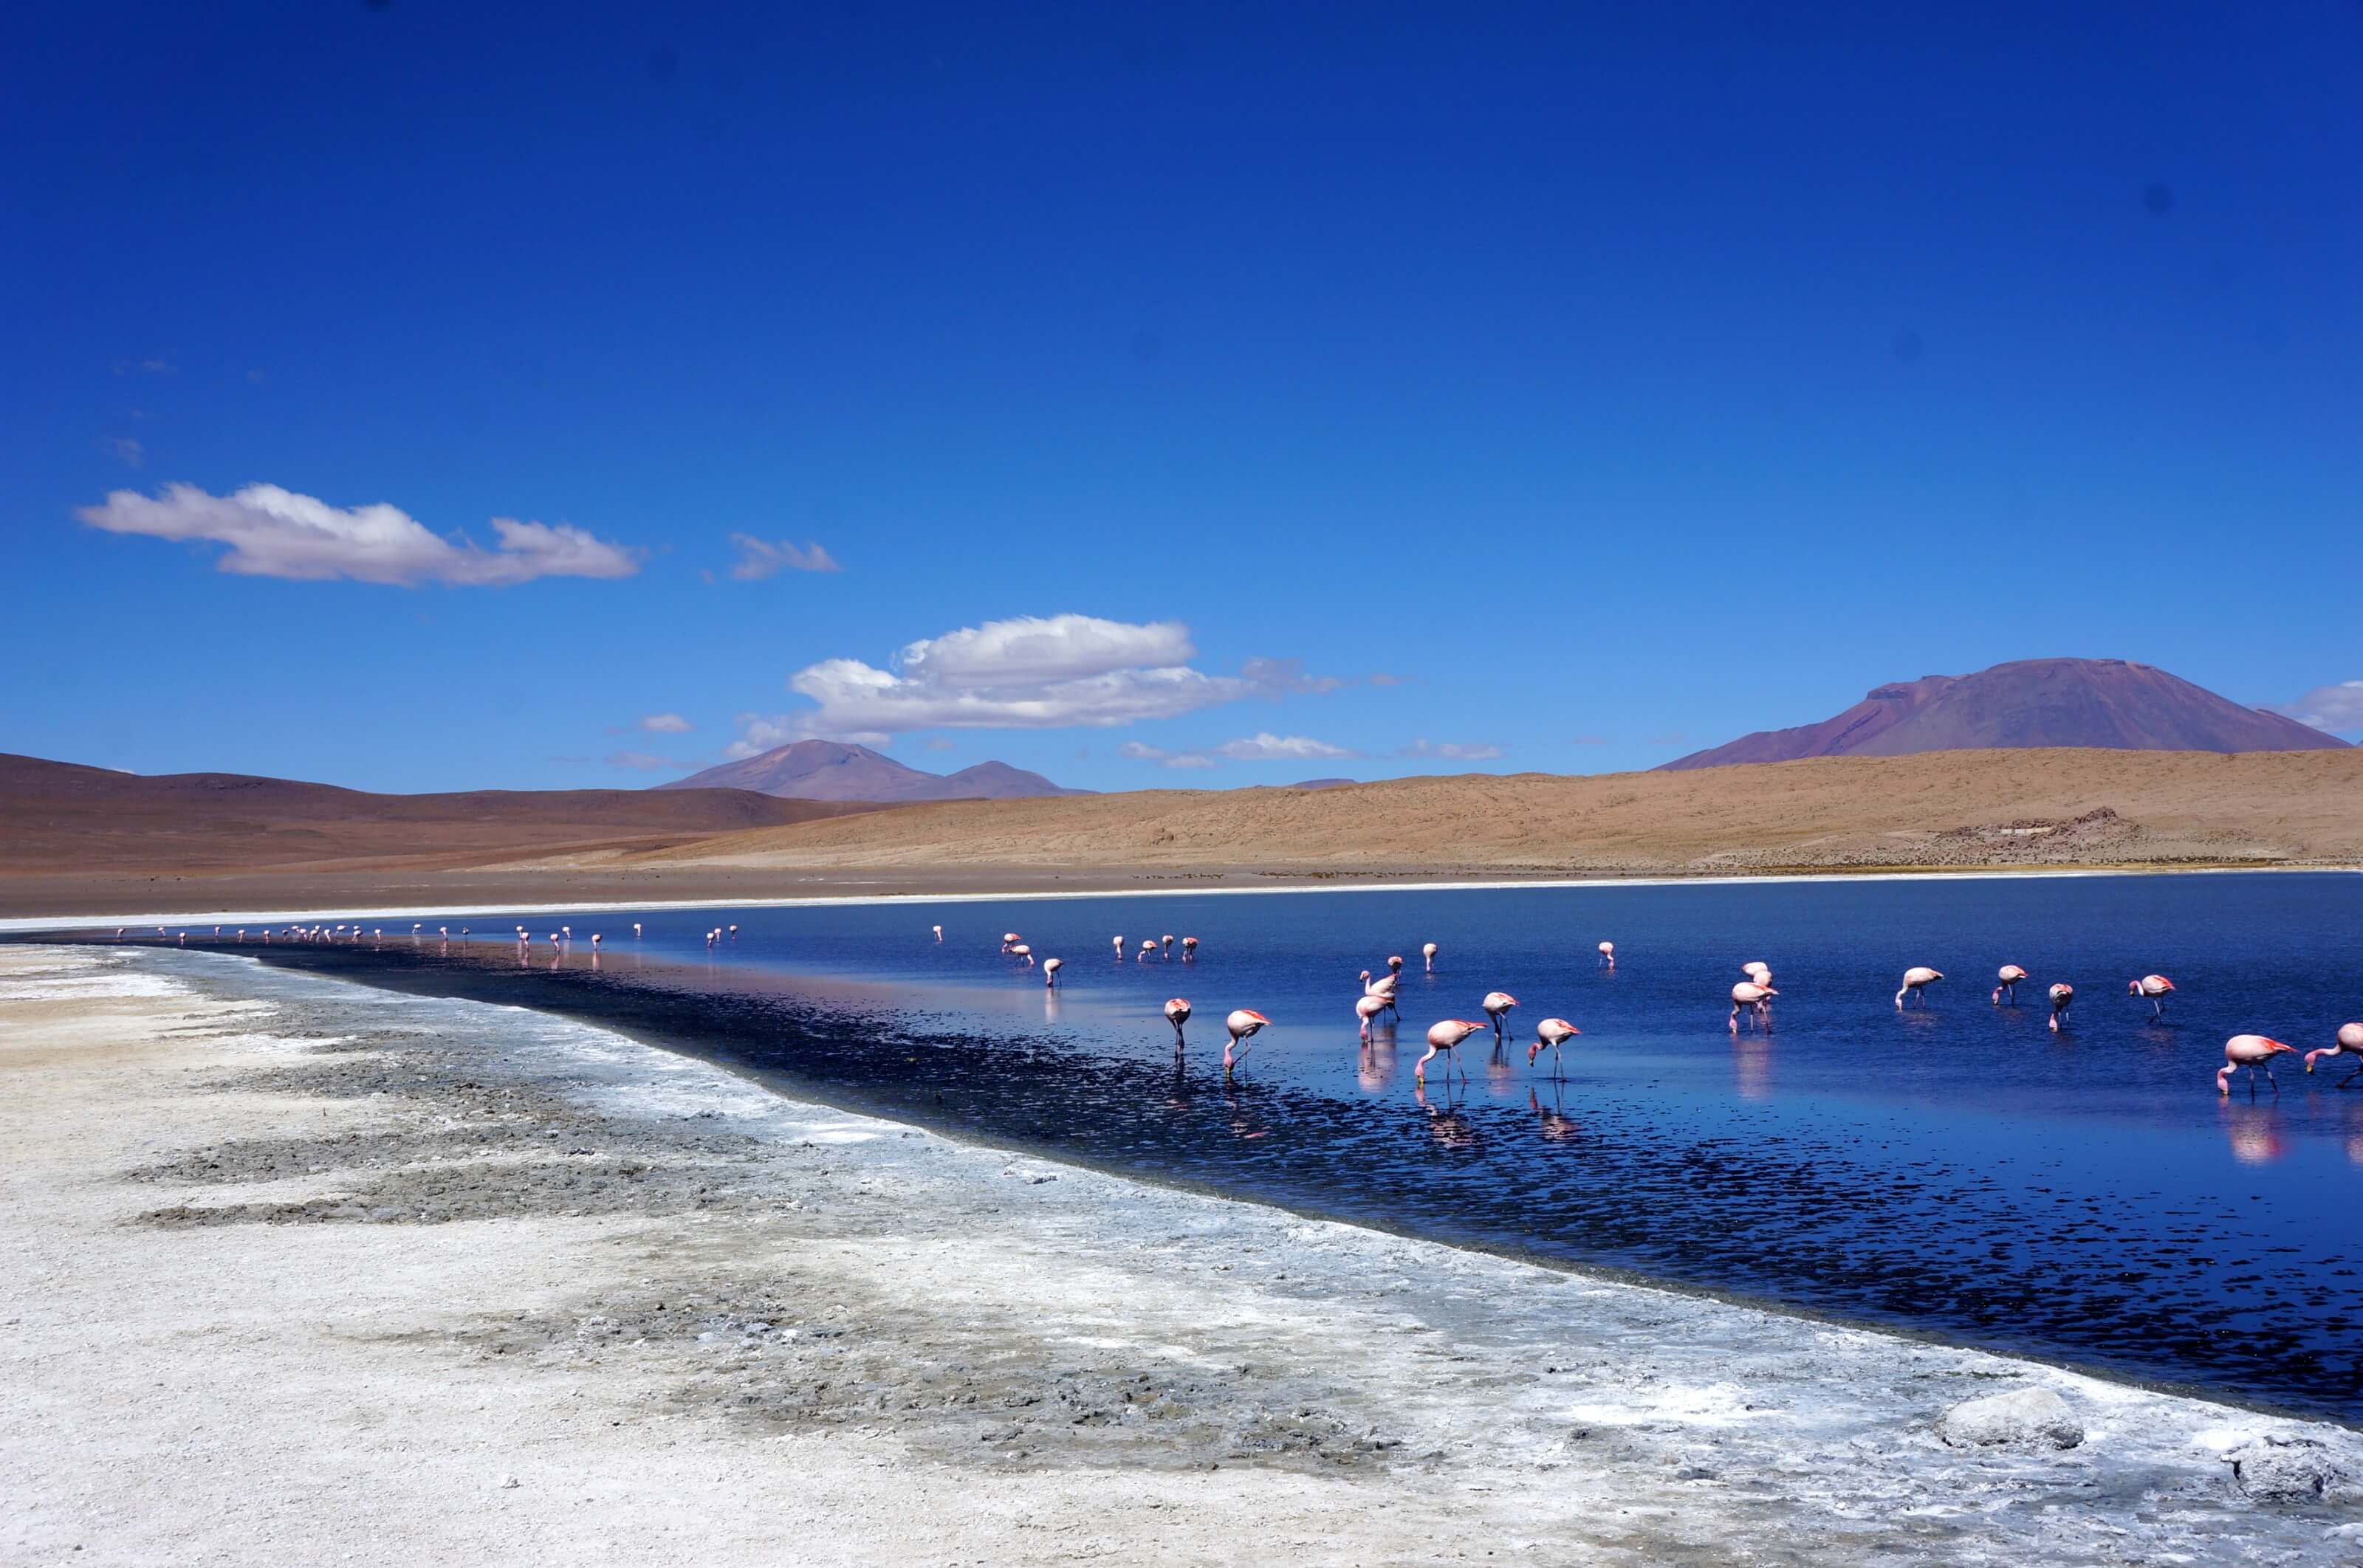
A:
(1619, 385)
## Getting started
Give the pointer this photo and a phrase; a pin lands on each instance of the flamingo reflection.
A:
(1445, 1122)
(1556, 1124)
(2254, 1132)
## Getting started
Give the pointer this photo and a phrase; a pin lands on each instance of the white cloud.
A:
(665, 725)
(1264, 746)
(2337, 709)
(759, 559)
(1454, 751)
(272, 532)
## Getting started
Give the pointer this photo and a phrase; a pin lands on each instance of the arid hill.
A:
(2105, 703)
(59, 817)
(2060, 807)
(831, 770)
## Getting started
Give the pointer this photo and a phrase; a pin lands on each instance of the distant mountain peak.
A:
(840, 770)
(2111, 703)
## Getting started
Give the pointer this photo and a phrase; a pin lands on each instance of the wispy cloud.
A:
(1262, 746)
(1453, 751)
(646, 762)
(759, 559)
(1671, 737)
(662, 724)
(149, 367)
(942, 743)
(272, 532)
(2336, 709)
(130, 453)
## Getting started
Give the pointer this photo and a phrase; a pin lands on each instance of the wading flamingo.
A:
(1147, 947)
(1749, 995)
(1608, 953)
(1553, 1033)
(2154, 988)
(1445, 1036)
(1366, 1007)
(2063, 996)
(1009, 939)
(635, 928)
(1244, 1024)
(568, 931)
(1427, 951)
(2253, 1052)
(1189, 947)
(594, 939)
(1758, 970)
(1177, 1013)
(734, 929)
(1382, 987)
(2008, 974)
(1497, 1006)
(1916, 981)
(1050, 968)
(1119, 949)
(1167, 945)
(1394, 965)
(937, 929)
(2350, 1043)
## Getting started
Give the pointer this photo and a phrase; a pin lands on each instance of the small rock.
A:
(2284, 1470)
(508, 1482)
(2025, 1418)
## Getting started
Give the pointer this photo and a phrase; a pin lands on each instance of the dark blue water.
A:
(1957, 1170)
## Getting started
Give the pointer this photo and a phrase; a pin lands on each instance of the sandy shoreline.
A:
(331, 1267)
(28, 925)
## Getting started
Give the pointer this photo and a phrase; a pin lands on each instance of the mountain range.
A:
(832, 770)
(2105, 703)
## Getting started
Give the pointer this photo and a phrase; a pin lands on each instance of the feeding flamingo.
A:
(2254, 1052)
(1497, 1006)
(1394, 965)
(2008, 974)
(1147, 947)
(1916, 981)
(1384, 988)
(2154, 988)
(1167, 945)
(1009, 939)
(1023, 951)
(1445, 1036)
(1758, 970)
(734, 928)
(1244, 1024)
(1553, 1033)
(635, 928)
(2063, 996)
(1427, 951)
(939, 931)
(2350, 1043)
(1177, 1013)
(1050, 968)
(1749, 995)
(594, 939)
(1189, 948)
(1608, 953)
(1367, 1007)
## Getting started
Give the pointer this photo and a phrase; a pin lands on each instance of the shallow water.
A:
(1956, 1170)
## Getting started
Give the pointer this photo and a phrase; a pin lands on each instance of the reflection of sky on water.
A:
(1957, 1167)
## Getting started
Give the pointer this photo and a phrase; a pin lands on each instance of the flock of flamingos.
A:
(1751, 1000)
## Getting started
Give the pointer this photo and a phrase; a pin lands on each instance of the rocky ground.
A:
(304, 1272)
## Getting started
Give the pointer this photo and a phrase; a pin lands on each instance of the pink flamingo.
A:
(1497, 1006)
(1384, 988)
(1553, 1033)
(1244, 1023)
(1177, 1013)
(1189, 948)
(734, 928)
(1758, 970)
(1023, 951)
(1050, 968)
(1608, 953)
(2350, 1043)
(1427, 951)
(2154, 986)
(2063, 996)
(636, 929)
(1169, 944)
(1749, 995)
(1445, 1036)
(1394, 965)
(2252, 1052)
(1366, 1007)
(1009, 939)
(1916, 981)
(594, 939)
(2008, 974)
(939, 931)
(1147, 947)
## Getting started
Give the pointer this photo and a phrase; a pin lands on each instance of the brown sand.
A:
(1960, 811)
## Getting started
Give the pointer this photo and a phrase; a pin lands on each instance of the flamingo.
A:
(1383, 988)
(1916, 981)
(2154, 988)
(2063, 996)
(2008, 974)
(2350, 1043)
(939, 933)
(1366, 1007)
(1749, 995)
(444, 932)
(1050, 968)
(1427, 951)
(1177, 1013)
(734, 928)
(1189, 948)
(1553, 1033)
(1497, 1006)
(594, 939)
(1445, 1036)
(1119, 949)
(2252, 1052)
(1608, 953)
(1243, 1023)
(1394, 965)
(1169, 944)
(1758, 970)
(413, 928)
(636, 929)
(1025, 952)
(1147, 947)
(568, 931)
